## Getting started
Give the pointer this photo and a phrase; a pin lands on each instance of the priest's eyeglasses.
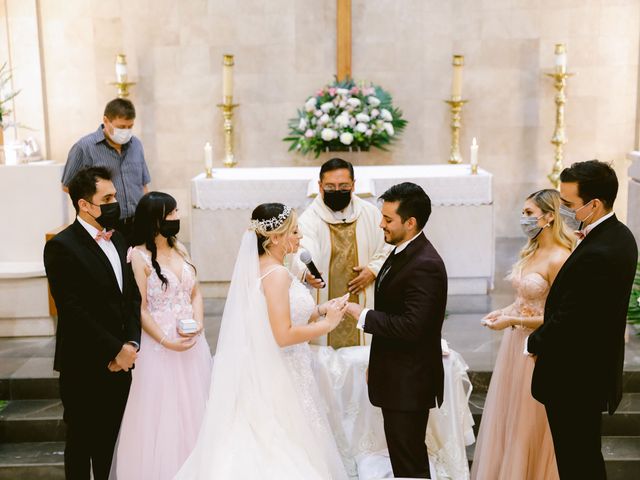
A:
(343, 187)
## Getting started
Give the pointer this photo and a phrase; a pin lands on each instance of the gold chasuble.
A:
(344, 257)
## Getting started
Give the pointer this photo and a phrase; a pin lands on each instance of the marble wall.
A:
(285, 50)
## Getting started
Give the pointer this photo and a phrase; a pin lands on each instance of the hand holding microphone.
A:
(305, 257)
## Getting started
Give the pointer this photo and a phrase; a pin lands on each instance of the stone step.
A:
(621, 456)
(32, 461)
(32, 421)
(625, 422)
(45, 460)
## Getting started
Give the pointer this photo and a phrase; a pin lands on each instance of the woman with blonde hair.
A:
(514, 439)
(264, 418)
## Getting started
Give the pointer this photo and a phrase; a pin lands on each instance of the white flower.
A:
(354, 102)
(343, 120)
(373, 101)
(368, 133)
(389, 128)
(386, 115)
(303, 124)
(310, 106)
(309, 133)
(342, 104)
(352, 122)
(318, 113)
(324, 119)
(375, 112)
(326, 107)
(328, 134)
(346, 138)
(363, 117)
(342, 91)
(361, 127)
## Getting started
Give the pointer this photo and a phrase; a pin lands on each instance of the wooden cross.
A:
(343, 70)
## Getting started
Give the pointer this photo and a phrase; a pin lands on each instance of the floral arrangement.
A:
(343, 116)
(5, 94)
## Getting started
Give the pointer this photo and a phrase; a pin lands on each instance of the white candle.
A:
(208, 156)
(456, 83)
(121, 68)
(474, 153)
(227, 77)
(561, 58)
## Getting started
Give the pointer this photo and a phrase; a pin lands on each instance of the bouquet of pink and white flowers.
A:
(344, 116)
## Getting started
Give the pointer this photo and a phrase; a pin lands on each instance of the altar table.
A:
(461, 226)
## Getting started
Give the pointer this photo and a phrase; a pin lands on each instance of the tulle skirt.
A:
(164, 411)
(514, 441)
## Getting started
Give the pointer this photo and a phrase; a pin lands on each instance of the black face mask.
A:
(109, 215)
(337, 200)
(169, 228)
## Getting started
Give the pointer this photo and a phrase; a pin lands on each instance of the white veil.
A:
(254, 425)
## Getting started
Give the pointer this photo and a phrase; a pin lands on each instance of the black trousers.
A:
(576, 431)
(93, 410)
(405, 433)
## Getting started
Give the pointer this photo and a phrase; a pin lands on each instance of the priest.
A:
(342, 234)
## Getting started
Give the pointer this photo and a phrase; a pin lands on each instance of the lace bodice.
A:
(175, 299)
(301, 303)
(531, 293)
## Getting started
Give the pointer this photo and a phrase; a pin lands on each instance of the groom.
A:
(98, 331)
(406, 376)
(580, 345)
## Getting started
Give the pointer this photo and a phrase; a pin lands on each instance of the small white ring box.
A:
(188, 325)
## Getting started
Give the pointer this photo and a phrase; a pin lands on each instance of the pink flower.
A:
(320, 92)
(355, 90)
(332, 91)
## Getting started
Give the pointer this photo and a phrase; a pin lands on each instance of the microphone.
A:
(305, 257)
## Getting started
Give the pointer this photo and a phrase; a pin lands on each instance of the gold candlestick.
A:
(559, 138)
(121, 76)
(227, 112)
(456, 116)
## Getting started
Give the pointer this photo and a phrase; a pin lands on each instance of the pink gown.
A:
(514, 441)
(169, 389)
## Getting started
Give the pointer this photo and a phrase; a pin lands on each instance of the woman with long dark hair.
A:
(171, 380)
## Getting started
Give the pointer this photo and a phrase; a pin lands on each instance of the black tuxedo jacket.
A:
(95, 318)
(405, 365)
(580, 345)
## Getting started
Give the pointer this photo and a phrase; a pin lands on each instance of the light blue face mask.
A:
(569, 216)
(530, 226)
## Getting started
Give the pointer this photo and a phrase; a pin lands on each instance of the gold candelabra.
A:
(121, 76)
(227, 112)
(227, 107)
(559, 137)
(456, 116)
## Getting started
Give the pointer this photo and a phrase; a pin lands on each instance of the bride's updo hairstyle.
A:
(270, 219)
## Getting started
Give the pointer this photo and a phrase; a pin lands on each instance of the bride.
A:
(263, 417)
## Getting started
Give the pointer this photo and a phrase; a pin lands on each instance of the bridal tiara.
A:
(270, 224)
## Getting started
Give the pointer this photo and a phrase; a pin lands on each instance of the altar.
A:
(461, 224)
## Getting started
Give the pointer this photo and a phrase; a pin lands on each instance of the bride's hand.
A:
(335, 312)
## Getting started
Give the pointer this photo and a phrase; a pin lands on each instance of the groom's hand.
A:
(126, 357)
(354, 309)
(363, 280)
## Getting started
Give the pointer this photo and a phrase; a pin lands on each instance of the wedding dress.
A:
(264, 416)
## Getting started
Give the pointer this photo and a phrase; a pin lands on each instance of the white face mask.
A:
(121, 135)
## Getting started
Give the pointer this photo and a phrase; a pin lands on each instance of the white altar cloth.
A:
(461, 226)
(358, 425)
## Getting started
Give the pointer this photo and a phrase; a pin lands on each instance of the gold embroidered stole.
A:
(344, 256)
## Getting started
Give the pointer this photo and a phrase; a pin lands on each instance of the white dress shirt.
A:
(399, 248)
(108, 248)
